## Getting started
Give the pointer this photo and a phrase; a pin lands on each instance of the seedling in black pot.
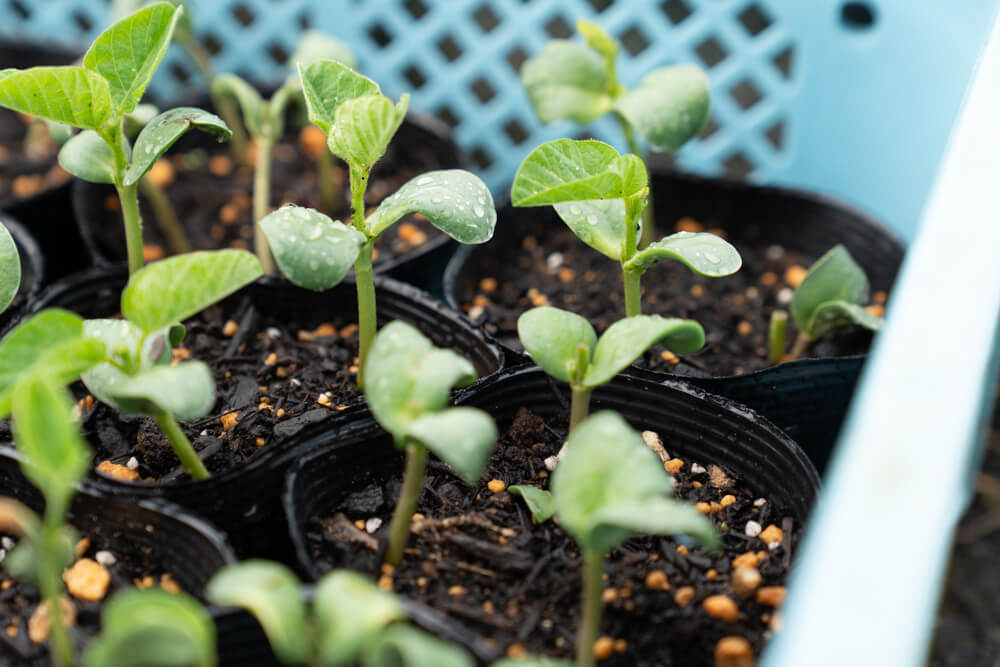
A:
(409, 382)
(98, 96)
(600, 195)
(569, 81)
(315, 252)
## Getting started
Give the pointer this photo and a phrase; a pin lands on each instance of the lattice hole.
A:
(20, 10)
(775, 135)
(558, 28)
(711, 52)
(857, 15)
(516, 58)
(180, 73)
(634, 41)
(599, 5)
(278, 53)
(483, 91)
(380, 35)
(448, 117)
(449, 48)
(243, 15)
(783, 61)
(711, 127)
(515, 131)
(83, 22)
(745, 94)
(416, 8)
(676, 11)
(212, 44)
(754, 20)
(481, 157)
(486, 18)
(305, 21)
(738, 165)
(414, 76)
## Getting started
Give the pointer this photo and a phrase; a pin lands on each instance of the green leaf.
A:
(71, 95)
(250, 101)
(834, 315)
(834, 277)
(454, 200)
(55, 456)
(598, 39)
(49, 344)
(271, 592)
(404, 646)
(161, 133)
(461, 437)
(406, 376)
(129, 51)
(625, 341)
(326, 85)
(363, 127)
(312, 250)
(187, 391)
(351, 613)
(176, 288)
(610, 486)
(10, 268)
(315, 46)
(540, 502)
(153, 628)
(88, 157)
(567, 81)
(552, 337)
(669, 107)
(705, 254)
(600, 223)
(568, 170)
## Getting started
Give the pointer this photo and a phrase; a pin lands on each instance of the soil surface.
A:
(479, 558)
(26, 167)
(553, 267)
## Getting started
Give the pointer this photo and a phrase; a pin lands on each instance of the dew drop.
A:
(592, 219)
(575, 210)
(424, 180)
(714, 259)
(478, 211)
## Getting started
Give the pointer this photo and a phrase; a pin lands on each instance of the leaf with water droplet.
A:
(161, 133)
(598, 223)
(312, 250)
(705, 254)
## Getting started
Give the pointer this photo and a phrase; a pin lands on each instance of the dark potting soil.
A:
(479, 558)
(133, 566)
(553, 267)
(26, 168)
(213, 198)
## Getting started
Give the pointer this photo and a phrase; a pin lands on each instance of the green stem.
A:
(590, 619)
(166, 217)
(327, 191)
(776, 336)
(261, 201)
(579, 405)
(413, 482)
(364, 279)
(802, 343)
(60, 644)
(182, 446)
(129, 196)
(633, 294)
(229, 111)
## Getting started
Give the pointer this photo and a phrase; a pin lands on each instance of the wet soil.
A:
(27, 168)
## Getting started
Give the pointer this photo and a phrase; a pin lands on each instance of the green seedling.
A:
(609, 487)
(570, 81)
(830, 298)
(566, 346)
(349, 622)
(600, 195)
(315, 252)
(137, 376)
(98, 96)
(409, 382)
(10, 268)
(265, 121)
(153, 628)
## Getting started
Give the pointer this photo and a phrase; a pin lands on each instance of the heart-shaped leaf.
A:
(312, 250)
(250, 101)
(405, 646)
(10, 268)
(187, 391)
(625, 341)
(315, 46)
(326, 85)
(363, 127)
(271, 592)
(669, 107)
(552, 337)
(71, 95)
(705, 254)
(161, 133)
(88, 157)
(351, 613)
(834, 315)
(600, 223)
(129, 51)
(567, 81)
(610, 486)
(153, 627)
(176, 288)
(834, 277)
(568, 170)
(461, 437)
(540, 502)
(454, 200)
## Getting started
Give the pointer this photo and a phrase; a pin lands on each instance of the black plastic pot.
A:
(422, 140)
(808, 398)
(693, 423)
(244, 501)
(32, 271)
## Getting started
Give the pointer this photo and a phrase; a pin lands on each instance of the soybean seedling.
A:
(567, 348)
(570, 81)
(408, 386)
(315, 252)
(98, 96)
(600, 195)
(349, 622)
(265, 121)
(137, 376)
(830, 298)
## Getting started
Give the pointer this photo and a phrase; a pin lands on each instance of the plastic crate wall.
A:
(851, 98)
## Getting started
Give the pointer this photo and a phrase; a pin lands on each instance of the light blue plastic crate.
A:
(857, 99)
